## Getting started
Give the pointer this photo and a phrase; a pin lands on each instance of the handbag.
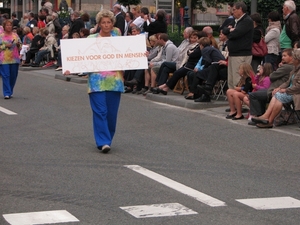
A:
(260, 49)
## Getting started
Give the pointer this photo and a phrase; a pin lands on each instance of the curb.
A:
(180, 101)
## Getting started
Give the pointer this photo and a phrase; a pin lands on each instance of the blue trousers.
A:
(9, 74)
(105, 107)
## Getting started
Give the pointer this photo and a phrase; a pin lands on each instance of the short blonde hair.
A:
(35, 30)
(153, 38)
(26, 30)
(105, 13)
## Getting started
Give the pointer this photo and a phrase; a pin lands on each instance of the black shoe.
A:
(238, 118)
(34, 65)
(128, 90)
(203, 98)
(191, 97)
(134, 91)
(204, 89)
(251, 123)
(244, 110)
(231, 116)
(131, 82)
(155, 91)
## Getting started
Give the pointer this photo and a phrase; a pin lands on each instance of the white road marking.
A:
(271, 203)
(6, 111)
(44, 217)
(199, 196)
(158, 210)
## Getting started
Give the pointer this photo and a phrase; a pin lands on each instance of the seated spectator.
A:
(48, 48)
(182, 49)
(75, 35)
(153, 56)
(27, 39)
(260, 98)
(169, 54)
(41, 21)
(209, 31)
(169, 67)
(37, 42)
(217, 71)
(160, 74)
(50, 25)
(187, 64)
(84, 32)
(24, 20)
(235, 96)
(262, 80)
(286, 93)
(201, 70)
(65, 35)
(134, 79)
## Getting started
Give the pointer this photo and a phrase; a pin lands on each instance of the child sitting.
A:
(235, 96)
(262, 80)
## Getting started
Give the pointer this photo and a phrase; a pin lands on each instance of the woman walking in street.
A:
(105, 88)
(9, 58)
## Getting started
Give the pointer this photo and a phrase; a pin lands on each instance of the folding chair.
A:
(181, 86)
(218, 89)
(290, 108)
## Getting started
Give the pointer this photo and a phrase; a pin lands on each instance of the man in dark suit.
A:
(32, 21)
(77, 23)
(120, 20)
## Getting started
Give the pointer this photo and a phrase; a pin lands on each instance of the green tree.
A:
(266, 6)
(263, 6)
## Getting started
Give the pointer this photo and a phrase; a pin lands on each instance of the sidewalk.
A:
(213, 108)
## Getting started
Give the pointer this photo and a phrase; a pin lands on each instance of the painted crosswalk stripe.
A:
(6, 111)
(271, 203)
(199, 196)
(44, 217)
(158, 210)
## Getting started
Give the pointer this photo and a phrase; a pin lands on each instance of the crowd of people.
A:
(252, 80)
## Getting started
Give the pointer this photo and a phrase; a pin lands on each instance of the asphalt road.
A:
(195, 158)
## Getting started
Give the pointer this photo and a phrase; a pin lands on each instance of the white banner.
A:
(104, 54)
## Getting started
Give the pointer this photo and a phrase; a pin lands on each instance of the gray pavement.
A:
(49, 160)
(215, 108)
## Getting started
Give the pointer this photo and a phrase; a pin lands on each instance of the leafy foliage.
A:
(266, 6)
(263, 6)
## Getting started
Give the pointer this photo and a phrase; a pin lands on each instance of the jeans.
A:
(40, 55)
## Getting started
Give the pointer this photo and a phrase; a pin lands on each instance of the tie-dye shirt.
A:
(9, 55)
(106, 80)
